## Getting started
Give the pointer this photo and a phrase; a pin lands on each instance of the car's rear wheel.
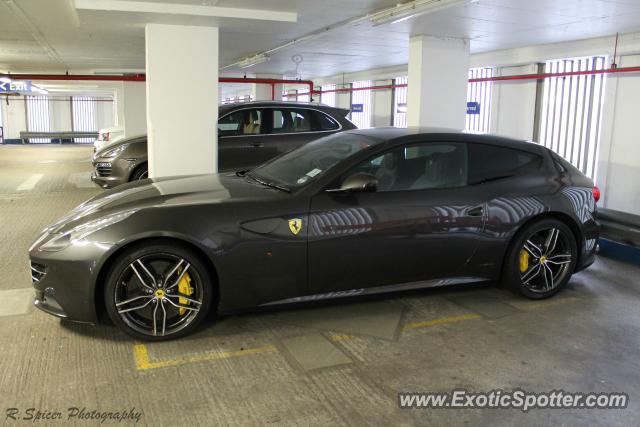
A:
(141, 173)
(541, 259)
(158, 292)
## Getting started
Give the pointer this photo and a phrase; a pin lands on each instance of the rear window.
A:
(490, 162)
(323, 122)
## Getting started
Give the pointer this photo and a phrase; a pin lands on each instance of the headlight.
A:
(78, 233)
(114, 151)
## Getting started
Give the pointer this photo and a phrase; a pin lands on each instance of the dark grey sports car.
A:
(354, 213)
(249, 134)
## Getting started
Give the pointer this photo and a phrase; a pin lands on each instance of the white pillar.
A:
(438, 78)
(118, 105)
(182, 121)
(135, 109)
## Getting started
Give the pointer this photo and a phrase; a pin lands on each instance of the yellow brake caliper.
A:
(524, 261)
(185, 288)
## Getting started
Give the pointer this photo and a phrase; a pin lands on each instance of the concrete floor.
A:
(341, 363)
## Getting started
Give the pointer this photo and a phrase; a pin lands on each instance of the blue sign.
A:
(9, 86)
(357, 108)
(473, 108)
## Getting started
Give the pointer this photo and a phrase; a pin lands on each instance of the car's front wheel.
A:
(158, 291)
(141, 173)
(541, 259)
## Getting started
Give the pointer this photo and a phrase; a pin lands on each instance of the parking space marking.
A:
(30, 182)
(143, 362)
(440, 321)
(141, 355)
(538, 305)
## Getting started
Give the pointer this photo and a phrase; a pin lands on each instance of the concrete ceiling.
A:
(52, 35)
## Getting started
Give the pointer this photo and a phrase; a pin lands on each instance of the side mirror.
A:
(358, 182)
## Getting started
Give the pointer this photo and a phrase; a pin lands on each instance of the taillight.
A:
(596, 193)
(106, 136)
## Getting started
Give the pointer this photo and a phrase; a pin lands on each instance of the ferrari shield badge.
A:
(295, 225)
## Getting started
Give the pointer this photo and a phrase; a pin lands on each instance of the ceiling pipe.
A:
(493, 79)
(550, 75)
(142, 78)
(309, 83)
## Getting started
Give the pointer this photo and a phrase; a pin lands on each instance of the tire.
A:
(132, 297)
(542, 271)
(142, 172)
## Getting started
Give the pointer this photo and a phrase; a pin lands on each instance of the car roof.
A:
(277, 104)
(436, 134)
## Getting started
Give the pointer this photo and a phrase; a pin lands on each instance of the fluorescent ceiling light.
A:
(253, 60)
(409, 10)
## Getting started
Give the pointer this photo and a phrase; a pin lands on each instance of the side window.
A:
(241, 122)
(288, 120)
(490, 162)
(322, 122)
(419, 167)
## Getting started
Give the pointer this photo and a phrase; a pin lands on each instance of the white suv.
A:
(107, 136)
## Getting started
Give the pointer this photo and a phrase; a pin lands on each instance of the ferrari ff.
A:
(354, 213)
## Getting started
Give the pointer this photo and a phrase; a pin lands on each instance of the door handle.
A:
(257, 144)
(477, 211)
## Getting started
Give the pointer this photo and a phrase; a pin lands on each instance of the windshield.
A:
(309, 162)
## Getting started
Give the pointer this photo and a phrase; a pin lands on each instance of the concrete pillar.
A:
(182, 122)
(118, 105)
(438, 78)
(382, 105)
(262, 92)
(15, 120)
(135, 109)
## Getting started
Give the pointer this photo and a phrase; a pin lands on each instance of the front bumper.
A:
(65, 281)
(109, 173)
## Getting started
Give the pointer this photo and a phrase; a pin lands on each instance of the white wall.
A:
(619, 160)
(14, 118)
(382, 104)
(513, 104)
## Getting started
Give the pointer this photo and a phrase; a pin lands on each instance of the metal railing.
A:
(25, 137)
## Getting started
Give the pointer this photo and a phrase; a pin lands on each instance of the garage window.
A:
(571, 113)
(400, 103)
(479, 101)
(39, 117)
(361, 104)
(328, 98)
(84, 109)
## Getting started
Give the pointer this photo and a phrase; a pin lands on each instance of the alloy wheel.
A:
(544, 260)
(158, 294)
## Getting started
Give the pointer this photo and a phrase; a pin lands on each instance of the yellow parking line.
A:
(549, 303)
(143, 362)
(440, 321)
(141, 355)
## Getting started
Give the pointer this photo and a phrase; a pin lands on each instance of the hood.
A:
(166, 192)
(108, 147)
